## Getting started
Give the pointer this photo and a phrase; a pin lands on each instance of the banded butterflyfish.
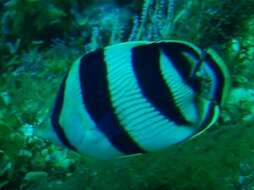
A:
(137, 97)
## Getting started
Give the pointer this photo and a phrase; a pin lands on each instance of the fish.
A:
(137, 97)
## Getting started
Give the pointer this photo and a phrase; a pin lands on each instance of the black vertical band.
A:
(56, 115)
(150, 80)
(174, 52)
(97, 101)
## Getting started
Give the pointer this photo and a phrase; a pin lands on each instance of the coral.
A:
(156, 21)
(226, 20)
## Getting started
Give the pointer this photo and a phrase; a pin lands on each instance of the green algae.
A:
(31, 70)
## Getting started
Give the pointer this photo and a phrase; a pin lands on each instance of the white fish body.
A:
(137, 97)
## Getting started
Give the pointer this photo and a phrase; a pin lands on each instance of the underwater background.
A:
(39, 40)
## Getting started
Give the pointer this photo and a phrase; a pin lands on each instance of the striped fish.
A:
(138, 97)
